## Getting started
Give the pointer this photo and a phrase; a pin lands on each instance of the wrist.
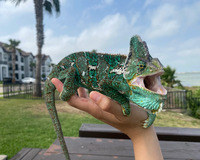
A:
(146, 144)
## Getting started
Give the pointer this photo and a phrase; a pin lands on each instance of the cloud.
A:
(108, 2)
(163, 22)
(27, 38)
(106, 36)
(110, 35)
(148, 2)
(9, 9)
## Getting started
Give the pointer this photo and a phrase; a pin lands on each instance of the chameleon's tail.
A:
(50, 102)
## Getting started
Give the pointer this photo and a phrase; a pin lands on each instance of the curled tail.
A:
(50, 103)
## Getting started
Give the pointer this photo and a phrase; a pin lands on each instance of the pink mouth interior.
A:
(152, 83)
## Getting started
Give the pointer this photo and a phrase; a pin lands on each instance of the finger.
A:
(58, 84)
(87, 105)
(82, 92)
(106, 103)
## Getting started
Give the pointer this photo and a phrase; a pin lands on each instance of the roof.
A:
(44, 57)
(23, 53)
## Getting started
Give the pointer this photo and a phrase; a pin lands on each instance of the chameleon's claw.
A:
(146, 123)
(149, 121)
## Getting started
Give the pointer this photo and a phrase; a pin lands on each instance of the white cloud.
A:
(106, 36)
(110, 35)
(27, 39)
(148, 2)
(9, 9)
(163, 22)
(108, 2)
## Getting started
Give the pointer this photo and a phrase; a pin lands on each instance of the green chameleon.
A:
(135, 78)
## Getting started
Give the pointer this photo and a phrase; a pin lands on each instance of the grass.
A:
(26, 123)
(173, 118)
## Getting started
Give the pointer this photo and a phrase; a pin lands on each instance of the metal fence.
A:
(20, 91)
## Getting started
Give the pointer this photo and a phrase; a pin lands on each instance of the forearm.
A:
(146, 145)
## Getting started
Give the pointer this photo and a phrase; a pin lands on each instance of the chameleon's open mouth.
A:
(151, 83)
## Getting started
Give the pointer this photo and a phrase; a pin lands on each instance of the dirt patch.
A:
(60, 106)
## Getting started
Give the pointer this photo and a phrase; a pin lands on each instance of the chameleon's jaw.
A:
(150, 83)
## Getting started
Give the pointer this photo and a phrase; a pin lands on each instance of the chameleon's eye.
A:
(141, 65)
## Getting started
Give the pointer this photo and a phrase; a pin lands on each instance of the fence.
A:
(23, 91)
(177, 99)
(20, 91)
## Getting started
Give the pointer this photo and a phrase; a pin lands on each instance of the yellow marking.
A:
(129, 81)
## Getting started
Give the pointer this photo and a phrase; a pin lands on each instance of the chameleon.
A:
(133, 78)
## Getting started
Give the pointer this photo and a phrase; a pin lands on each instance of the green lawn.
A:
(26, 123)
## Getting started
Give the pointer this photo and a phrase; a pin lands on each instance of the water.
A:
(189, 78)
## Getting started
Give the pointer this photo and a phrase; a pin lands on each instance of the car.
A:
(28, 80)
(43, 79)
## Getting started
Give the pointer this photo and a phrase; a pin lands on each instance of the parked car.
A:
(44, 79)
(28, 80)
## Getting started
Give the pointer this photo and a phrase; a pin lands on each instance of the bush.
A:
(194, 107)
(197, 93)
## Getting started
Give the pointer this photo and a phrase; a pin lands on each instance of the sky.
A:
(171, 28)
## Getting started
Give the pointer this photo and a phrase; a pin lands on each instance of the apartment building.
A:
(24, 64)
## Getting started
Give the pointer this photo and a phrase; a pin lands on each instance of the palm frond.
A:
(17, 2)
(56, 4)
(50, 4)
(47, 6)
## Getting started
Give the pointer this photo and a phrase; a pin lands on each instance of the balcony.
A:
(3, 62)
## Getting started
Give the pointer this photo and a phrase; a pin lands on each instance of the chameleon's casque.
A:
(134, 78)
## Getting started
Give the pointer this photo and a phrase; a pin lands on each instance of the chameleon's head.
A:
(142, 73)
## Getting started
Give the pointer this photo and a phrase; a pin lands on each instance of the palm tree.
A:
(169, 78)
(39, 5)
(12, 48)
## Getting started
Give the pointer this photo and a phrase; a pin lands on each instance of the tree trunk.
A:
(38, 4)
(13, 65)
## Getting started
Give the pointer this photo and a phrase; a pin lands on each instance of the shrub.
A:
(194, 107)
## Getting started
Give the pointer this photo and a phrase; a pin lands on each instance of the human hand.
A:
(145, 142)
(107, 110)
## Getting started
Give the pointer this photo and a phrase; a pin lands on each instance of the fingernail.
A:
(95, 96)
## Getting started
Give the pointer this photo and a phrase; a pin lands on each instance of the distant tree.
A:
(169, 78)
(39, 5)
(94, 51)
(12, 48)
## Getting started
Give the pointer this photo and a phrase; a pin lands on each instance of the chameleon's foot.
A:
(126, 109)
(149, 121)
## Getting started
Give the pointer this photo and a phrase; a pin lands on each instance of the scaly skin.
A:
(113, 75)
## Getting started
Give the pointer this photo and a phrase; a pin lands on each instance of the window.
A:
(16, 58)
(22, 59)
(16, 76)
(5, 57)
(22, 68)
(1, 58)
(10, 67)
(22, 76)
(43, 69)
(16, 67)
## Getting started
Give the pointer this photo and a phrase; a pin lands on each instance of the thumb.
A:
(58, 84)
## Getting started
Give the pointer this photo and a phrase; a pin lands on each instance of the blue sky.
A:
(171, 28)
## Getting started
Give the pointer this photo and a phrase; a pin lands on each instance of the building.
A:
(25, 64)
(46, 65)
